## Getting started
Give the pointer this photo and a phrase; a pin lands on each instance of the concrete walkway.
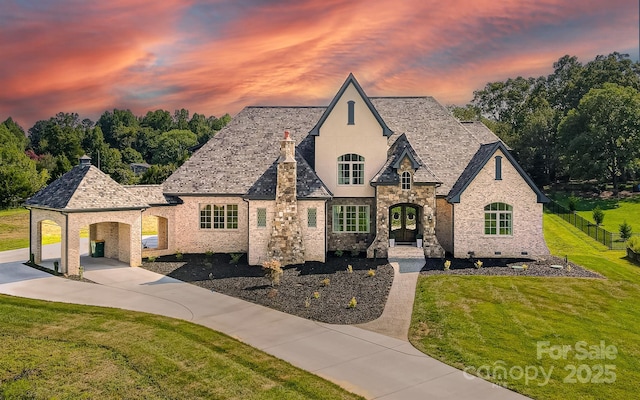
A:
(407, 261)
(368, 363)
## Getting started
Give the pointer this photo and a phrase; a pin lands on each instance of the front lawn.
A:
(65, 351)
(483, 322)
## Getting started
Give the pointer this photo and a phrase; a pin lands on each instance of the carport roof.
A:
(85, 188)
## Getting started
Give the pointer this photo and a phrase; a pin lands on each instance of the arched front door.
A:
(404, 222)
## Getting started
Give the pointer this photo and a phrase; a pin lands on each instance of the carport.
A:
(87, 196)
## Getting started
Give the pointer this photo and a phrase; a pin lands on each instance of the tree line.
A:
(114, 142)
(581, 122)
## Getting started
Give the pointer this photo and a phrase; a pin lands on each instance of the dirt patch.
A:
(303, 289)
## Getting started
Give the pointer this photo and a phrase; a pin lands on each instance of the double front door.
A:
(404, 222)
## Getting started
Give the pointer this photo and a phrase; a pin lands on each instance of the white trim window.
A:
(351, 169)
(219, 216)
(498, 219)
(351, 219)
(205, 216)
(405, 180)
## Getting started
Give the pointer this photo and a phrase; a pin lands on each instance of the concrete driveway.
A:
(368, 363)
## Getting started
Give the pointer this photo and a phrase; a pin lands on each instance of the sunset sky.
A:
(214, 57)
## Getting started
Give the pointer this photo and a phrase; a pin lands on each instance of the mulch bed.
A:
(502, 266)
(295, 294)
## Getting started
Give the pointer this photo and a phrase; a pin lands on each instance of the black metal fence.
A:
(612, 240)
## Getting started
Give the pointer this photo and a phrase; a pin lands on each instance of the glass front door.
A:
(404, 223)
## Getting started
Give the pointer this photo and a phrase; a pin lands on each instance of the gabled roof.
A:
(308, 185)
(481, 131)
(85, 188)
(479, 160)
(400, 149)
(442, 143)
(237, 156)
(351, 80)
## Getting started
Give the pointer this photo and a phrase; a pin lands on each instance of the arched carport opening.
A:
(49, 236)
(155, 232)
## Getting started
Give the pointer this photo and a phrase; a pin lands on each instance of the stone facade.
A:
(512, 189)
(285, 242)
(423, 196)
(345, 241)
(314, 237)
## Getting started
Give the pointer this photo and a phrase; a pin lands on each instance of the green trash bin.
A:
(97, 248)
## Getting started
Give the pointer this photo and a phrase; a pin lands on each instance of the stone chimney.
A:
(285, 243)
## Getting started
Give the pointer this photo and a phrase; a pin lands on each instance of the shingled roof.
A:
(153, 195)
(400, 149)
(233, 160)
(236, 161)
(308, 185)
(85, 188)
(442, 143)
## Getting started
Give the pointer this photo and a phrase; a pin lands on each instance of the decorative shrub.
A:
(447, 265)
(208, 253)
(371, 272)
(179, 255)
(152, 258)
(625, 230)
(307, 302)
(273, 271)
(634, 244)
(598, 216)
(478, 264)
(325, 282)
(573, 203)
(316, 295)
(350, 269)
(352, 303)
(235, 258)
(338, 253)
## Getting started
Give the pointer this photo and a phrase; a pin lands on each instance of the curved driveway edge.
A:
(365, 362)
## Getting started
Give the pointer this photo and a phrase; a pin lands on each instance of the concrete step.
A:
(406, 252)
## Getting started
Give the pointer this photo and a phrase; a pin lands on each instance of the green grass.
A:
(55, 350)
(14, 229)
(482, 321)
(616, 211)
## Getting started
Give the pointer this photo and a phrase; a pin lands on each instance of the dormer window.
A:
(405, 180)
(498, 168)
(351, 105)
(350, 169)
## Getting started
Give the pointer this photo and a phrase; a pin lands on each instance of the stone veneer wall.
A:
(189, 238)
(527, 215)
(314, 238)
(421, 195)
(285, 241)
(350, 241)
(444, 227)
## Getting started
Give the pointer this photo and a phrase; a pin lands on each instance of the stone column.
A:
(285, 243)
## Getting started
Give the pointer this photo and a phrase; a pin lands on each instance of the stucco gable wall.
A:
(189, 238)
(527, 215)
(336, 138)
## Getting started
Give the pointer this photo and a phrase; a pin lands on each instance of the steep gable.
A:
(350, 82)
(485, 153)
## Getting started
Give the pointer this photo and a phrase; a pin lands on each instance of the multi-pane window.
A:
(262, 217)
(351, 219)
(205, 217)
(498, 219)
(350, 169)
(312, 217)
(405, 180)
(224, 216)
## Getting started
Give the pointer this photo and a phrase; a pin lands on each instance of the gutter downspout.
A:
(31, 236)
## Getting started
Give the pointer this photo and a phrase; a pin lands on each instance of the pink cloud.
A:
(217, 57)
